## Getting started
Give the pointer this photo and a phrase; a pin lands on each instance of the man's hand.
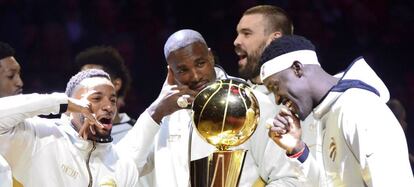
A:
(166, 102)
(87, 118)
(285, 131)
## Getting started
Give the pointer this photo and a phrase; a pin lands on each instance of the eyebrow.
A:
(101, 93)
(245, 30)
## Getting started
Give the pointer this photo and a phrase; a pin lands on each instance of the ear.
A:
(276, 35)
(297, 68)
(273, 36)
(211, 56)
(117, 84)
(170, 80)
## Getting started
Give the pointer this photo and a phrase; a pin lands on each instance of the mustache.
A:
(238, 49)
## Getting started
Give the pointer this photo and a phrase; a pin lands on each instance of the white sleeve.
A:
(15, 109)
(377, 140)
(18, 133)
(5, 174)
(138, 143)
(272, 164)
(310, 169)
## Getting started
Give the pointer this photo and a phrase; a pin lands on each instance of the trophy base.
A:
(220, 169)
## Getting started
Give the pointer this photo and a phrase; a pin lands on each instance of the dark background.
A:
(47, 34)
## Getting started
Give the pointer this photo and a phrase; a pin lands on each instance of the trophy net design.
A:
(226, 114)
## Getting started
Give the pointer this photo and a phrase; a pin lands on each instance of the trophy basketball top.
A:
(226, 113)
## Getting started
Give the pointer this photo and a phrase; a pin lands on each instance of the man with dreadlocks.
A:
(74, 150)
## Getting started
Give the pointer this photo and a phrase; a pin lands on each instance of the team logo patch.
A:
(69, 171)
(332, 149)
(107, 182)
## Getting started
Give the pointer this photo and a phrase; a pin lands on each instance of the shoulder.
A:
(359, 102)
(359, 110)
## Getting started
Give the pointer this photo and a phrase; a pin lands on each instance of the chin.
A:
(104, 134)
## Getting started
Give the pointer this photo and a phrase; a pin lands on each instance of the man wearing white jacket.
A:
(362, 143)
(50, 152)
(191, 68)
(10, 84)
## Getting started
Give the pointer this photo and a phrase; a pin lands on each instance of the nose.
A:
(19, 82)
(278, 99)
(236, 41)
(195, 75)
(108, 106)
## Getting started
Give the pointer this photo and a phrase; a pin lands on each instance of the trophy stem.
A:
(220, 169)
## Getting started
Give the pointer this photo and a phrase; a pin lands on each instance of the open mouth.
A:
(242, 56)
(290, 105)
(106, 122)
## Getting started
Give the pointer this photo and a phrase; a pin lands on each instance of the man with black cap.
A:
(358, 132)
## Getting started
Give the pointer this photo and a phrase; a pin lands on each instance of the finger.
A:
(82, 131)
(92, 129)
(278, 130)
(282, 119)
(276, 123)
(184, 89)
(285, 112)
(269, 123)
(170, 76)
(273, 135)
(93, 121)
(294, 124)
(189, 98)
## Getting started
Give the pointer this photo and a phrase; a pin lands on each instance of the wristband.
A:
(302, 158)
(296, 155)
(302, 155)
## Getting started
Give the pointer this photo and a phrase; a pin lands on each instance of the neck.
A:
(324, 83)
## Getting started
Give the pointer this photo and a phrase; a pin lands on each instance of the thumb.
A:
(170, 77)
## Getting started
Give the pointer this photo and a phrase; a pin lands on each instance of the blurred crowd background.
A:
(47, 35)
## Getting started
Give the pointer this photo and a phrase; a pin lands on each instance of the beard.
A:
(252, 67)
(99, 136)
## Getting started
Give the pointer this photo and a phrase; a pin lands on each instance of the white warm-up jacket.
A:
(48, 152)
(5, 173)
(361, 141)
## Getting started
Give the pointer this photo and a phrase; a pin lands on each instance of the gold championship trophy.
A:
(226, 114)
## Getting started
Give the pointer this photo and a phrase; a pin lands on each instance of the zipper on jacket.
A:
(87, 163)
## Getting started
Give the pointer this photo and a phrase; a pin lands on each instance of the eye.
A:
(182, 70)
(10, 76)
(200, 63)
(113, 100)
(95, 98)
(246, 34)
